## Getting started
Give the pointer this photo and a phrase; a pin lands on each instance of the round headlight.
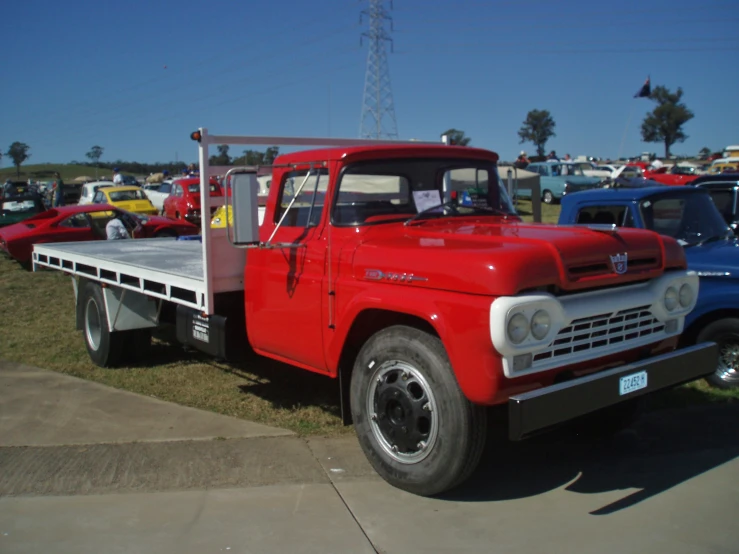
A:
(686, 295)
(518, 328)
(540, 324)
(671, 299)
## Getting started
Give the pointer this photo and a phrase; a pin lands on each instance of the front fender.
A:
(460, 320)
(715, 294)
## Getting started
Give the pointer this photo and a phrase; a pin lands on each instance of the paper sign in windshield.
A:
(426, 199)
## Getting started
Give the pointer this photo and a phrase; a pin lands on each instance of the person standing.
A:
(522, 161)
(117, 177)
(57, 198)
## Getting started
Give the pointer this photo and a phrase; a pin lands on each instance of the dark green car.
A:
(18, 208)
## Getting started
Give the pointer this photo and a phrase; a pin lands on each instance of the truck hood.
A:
(719, 259)
(491, 256)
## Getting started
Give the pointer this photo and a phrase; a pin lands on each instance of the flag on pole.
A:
(645, 91)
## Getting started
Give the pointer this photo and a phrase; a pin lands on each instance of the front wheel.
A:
(725, 333)
(547, 197)
(414, 424)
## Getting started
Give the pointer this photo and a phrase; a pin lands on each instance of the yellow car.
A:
(132, 199)
(218, 221)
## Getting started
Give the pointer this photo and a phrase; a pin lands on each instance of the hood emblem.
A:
(620, 263)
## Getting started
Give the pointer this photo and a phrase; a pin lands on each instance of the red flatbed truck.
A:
(403, 270)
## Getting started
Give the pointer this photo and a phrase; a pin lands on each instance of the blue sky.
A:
(137, 77)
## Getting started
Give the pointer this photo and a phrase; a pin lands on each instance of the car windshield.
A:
(126, 195)
(690, 218)
(392, 190)
(724, 200)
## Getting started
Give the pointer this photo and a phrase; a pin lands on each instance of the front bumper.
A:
(536, 410)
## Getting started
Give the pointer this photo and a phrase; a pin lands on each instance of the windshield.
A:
(724, 200)
(126, 195)
(389, 190)
(689, 218)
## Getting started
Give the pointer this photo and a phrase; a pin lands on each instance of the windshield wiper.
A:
(451, 207)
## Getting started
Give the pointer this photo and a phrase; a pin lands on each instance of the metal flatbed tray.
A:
(162, 268)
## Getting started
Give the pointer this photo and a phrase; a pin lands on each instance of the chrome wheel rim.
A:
(93, 329)
(403, 412)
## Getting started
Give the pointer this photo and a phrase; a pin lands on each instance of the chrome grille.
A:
(600, 331)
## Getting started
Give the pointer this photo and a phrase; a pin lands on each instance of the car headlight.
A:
(686, 295)
(540, 324)
(518, 328)
(671, 298)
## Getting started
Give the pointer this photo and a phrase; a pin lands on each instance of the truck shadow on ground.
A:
(662, 449)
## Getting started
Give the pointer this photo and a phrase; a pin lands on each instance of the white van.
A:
(89, 189)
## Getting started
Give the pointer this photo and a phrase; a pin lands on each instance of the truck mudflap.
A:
(536, 410)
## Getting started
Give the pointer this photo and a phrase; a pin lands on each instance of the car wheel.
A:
(414, 424)
(105, 348)
(165, 233)
(725, 333)
(547, 197)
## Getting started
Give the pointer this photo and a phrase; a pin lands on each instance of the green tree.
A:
(95, 153)
(537, 128)
(664, 123)
(18, 152)
(457, 137)
(255, 157)
(222, 158)
(704, 152)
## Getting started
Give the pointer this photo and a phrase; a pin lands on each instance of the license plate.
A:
(633, 382)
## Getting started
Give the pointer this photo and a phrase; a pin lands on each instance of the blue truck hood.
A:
(720, 257)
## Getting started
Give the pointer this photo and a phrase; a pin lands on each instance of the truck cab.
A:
(689, 215)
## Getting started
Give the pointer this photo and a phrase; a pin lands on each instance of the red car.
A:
(183, 203)
(81, 223)
(662, 176)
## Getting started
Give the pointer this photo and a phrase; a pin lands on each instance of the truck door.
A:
(283, 285)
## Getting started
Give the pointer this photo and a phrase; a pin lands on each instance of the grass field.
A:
(37, 327)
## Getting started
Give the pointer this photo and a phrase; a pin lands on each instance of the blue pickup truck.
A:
(689, 215)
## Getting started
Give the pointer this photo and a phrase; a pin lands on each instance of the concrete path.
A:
(669, 485)
(44, 408)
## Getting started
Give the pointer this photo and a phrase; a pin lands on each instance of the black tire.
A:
(105, 348)
(403, 392)
(547, 197)
(165, 233)
(725, 333)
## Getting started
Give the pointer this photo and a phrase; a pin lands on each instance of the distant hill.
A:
(45, 172)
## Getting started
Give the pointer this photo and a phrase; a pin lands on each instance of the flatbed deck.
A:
(163, 268)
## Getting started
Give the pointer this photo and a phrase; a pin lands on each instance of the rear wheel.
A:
(413, 422)
(105, 348)
(165, 233)
(725, 333)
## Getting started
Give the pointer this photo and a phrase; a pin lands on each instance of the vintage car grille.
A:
(602, 331)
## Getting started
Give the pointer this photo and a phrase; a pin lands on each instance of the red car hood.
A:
(503, 258)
